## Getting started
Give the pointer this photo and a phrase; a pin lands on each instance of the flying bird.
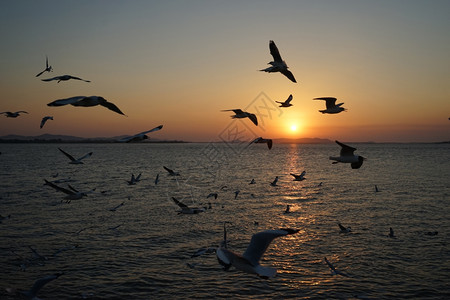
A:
(274, 182)
(331, 106)
(215, 195)
(86, 102)
(249, 261)
(278, 64)
(171, 172)
(347, 156)
(72, 194)
(134, 179)
(391, 232)
(239, 114)
(186, 209)
(48, 68)
(261, 140)
(44, 120)
(333, 269)
(286, 103)
(299, 177)
(13, 114)
(140, 136)
(65, 78)
(73, 160)
(344, 229)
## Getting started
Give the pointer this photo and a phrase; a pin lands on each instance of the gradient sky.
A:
(179, 63)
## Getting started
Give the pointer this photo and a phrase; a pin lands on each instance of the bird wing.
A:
(253, 118)
(342, 227)
(112, 106)
(77, 78)
(260, 242)
(303, 173)
(50, 79)
(329, 101)
(168, 170)
(148, 131)
(86, 156)
(61, 102)
(236, 111)
(346, 150)
(180, 204)
(38, 284)
(289, 75)
(67, 154)
(21, 111)
(295, 175)
(58, 188)
(330, 265)
(274, 51)
(40, 73)
(289, 99)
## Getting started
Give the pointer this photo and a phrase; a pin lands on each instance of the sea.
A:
(143, 249)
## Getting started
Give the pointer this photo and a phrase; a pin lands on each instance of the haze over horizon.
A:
(180, 63)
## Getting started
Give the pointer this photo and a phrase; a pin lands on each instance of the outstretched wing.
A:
(345, 149)
(274, 52)
(50, 79)
(236, 111)
(58, 188)
(38, 284)
(253, 118)
(289, 75)
(67, 154)
(112, 106)
(180, 204)
(261, 241)
(168, 170)
(61, 102)
(86, 156)
(289, 99)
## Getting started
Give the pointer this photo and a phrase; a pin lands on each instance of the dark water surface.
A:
(141, 250)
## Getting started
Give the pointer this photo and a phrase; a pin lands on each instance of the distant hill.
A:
(51, 138)
(303, 141)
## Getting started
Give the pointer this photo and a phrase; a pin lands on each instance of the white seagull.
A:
(140, 136)
(299, 177)
(347, 156)
(274, 182)
(240, 114)
(261, 140)
(10, 114)
(286, 103)
(38, 284)
(73, 160)
(48, 68)
(186, 209)
(44, 120)
(249, 261)
(278, 64)
(86, 101)
(332, 107)
(65, 78)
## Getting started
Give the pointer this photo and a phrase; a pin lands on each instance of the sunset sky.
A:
(179, 63)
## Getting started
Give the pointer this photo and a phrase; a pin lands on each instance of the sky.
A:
(180, 63)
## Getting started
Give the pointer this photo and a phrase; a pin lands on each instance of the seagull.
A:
(187, 210)
(261, 140)
(253, 181)
(171, 172)
(347, 156)
(344, 229)
(278, 64)
(391, 232)
(134, 180)
(65, 78)
(274, 182)
(332, 107)
(299, 177)
(73, 160)
(72, 194)
(376, 189)
(38, 284)
(286, 103)
(288, 209)
(47, 67)
(240, 114)
(45, 119)
(86, 102)
(140, 136)
(236, 193)
(333, 269)
(249, 261)
(116, 207)
(157, 179)
(13, 114)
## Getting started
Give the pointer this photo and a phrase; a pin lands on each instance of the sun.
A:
(293, 127)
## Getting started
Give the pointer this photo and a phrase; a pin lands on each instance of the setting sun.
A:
(293, 127)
